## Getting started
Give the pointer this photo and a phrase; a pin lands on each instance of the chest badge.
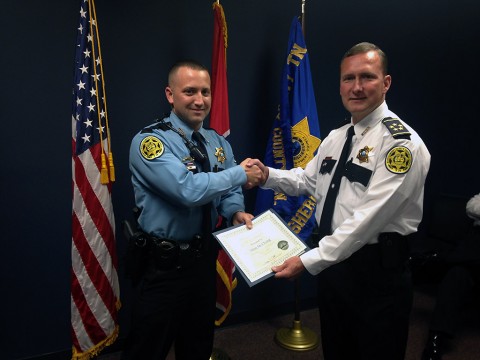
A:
(363, 154)
(220, 154)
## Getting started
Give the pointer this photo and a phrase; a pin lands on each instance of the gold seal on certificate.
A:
(269, 243)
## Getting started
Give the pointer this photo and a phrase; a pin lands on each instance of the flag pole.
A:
(303, 18)
(297, 338)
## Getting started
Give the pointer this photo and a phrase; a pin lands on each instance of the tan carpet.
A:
(255, 341)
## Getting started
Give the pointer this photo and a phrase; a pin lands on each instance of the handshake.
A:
(256, 171)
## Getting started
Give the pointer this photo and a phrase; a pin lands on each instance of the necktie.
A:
(207, 216)
(325, 227)
(198, 138)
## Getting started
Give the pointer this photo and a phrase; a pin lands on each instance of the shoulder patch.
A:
(151, 147)
(399, 160)
(396, 128)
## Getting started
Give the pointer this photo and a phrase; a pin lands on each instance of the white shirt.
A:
(473, 209)
(378, 200)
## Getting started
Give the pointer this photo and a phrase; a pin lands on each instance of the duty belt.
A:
(167, 254)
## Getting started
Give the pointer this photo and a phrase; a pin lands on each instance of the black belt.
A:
(167, 254)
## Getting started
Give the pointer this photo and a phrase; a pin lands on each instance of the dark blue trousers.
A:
(364, 308)
(174, 307)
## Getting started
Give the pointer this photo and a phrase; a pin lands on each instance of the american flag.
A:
(95, 294)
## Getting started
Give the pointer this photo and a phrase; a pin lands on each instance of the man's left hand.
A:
(290, 269)
(241, 217)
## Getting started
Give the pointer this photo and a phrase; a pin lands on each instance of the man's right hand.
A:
(256, 172)
(262, 167)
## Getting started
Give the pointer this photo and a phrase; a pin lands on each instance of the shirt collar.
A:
(177, 123)
(371, 119)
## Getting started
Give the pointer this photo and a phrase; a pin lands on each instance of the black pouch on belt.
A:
(164, 253)
(393, 249)
(190, 252)
(137, 252)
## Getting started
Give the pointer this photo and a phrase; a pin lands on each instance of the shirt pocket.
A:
(327, 166)
(357, 173)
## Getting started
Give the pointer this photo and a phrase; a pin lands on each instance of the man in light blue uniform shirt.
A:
(184, 176)
(171, 189)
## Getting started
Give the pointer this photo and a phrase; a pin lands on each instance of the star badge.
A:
(363, 154)
(220, 154)
(305, 143)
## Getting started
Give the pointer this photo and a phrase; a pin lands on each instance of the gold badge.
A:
(305, 144)
(220, 154)
(399, 160)
(363, 154)
(151, 148)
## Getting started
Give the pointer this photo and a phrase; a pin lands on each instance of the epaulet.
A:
(160, 125)
(396, 128)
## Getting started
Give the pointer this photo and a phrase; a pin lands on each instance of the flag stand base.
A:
(218, 354)
(296, 338)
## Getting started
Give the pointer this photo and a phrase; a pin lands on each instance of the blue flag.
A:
(295, 136)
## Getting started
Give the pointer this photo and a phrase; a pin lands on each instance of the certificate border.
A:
(238, 263)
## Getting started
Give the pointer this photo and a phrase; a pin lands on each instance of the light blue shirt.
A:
(169, 195)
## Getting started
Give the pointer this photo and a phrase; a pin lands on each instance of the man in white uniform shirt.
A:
(364, 288)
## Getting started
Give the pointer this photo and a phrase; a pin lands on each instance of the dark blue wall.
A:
(433, 64)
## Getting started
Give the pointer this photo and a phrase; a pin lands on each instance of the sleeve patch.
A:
(151, 147)
(399, 160)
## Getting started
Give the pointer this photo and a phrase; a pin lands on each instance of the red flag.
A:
(219, 116)
(95, 297)
(220, 121)
(226, 283)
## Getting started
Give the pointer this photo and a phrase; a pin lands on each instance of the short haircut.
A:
(191, 64)
(365, 47)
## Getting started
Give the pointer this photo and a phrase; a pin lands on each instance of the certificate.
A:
(269, 243)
